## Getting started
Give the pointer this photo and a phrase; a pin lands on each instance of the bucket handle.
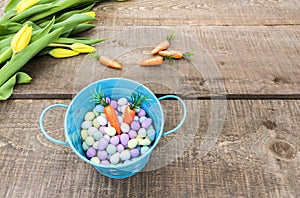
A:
(183, 116)
(42, 126)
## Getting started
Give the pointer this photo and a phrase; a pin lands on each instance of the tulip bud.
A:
(21, 39)
(82, 48)
(25, 4)
(62, 53)
(91, 13)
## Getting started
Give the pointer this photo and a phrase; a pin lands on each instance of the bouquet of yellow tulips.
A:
(37, 27)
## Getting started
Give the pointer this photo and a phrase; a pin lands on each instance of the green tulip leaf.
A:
(6, 89)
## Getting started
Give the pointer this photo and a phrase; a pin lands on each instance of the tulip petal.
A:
(21, 39)
(62, 53)
(82, 48)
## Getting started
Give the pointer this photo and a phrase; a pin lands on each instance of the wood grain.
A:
(242, 162)
(200, 12)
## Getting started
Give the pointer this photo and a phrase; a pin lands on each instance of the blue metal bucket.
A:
(114, 88)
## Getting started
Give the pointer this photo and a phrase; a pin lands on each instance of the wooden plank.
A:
(256, 154)
(196, 12)
(200, 12)
(257, 62)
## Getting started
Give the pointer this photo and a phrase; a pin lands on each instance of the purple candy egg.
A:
(108, 100)
(124, 139)
(120, 148)
(91, 152)
(141, 113)
(114, 104)
(105, 162)
(146, 123)
(135, 125)
(132, 134)
(101, 129)
(134, 152)
(114, 140)
(102, 155)
(103, 142)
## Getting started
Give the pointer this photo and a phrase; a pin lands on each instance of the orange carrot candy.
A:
(106, 60)
(153, 61)
(164, 44)
(137, 100)
(173, 54)
(109, 111)
(110, 62)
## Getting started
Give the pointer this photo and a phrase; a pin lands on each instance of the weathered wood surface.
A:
(255, 61)
(252, 61)
(255, 155)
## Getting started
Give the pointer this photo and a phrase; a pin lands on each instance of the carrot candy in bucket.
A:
(115, 156)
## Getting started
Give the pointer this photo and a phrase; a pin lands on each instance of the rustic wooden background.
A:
(256, 47)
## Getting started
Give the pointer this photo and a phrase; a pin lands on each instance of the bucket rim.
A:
(118, 166)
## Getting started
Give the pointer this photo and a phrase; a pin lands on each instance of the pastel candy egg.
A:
(141, 113)
(95, 145)
(107, 137)
(96, 123)
(111, 131)
(105, 162)
(91, 152)
(122, 101)
(99, 109)
(114, 140)
(95, 160)
(95, 112)
(120, 148)
(124, 138)
(102, 155)
(84, 134)
(102, 114)
(123, 108)
(97, 135)
(144, 142)
(103, 142)
(146, 123)
(120, 119)
(102, 120)
(86, 124)
(135, 125)
(144, 149)
(151, 133)
(134, 152)
(89, 116)
(132, 134)
(102, 129)
(142, 132)
(132, 143)
(92, 130)
(114, 104)
(89, 141)
(85, 147)
(125, 155)
(111, 149)
(115, 158)
(108, 100)
(136, 118)
(124, 127)
(142, 119)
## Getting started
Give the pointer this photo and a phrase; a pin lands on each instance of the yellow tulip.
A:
(82, 48)
(25, 4)
(62, 53)
(21, 39)
(91, 13)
